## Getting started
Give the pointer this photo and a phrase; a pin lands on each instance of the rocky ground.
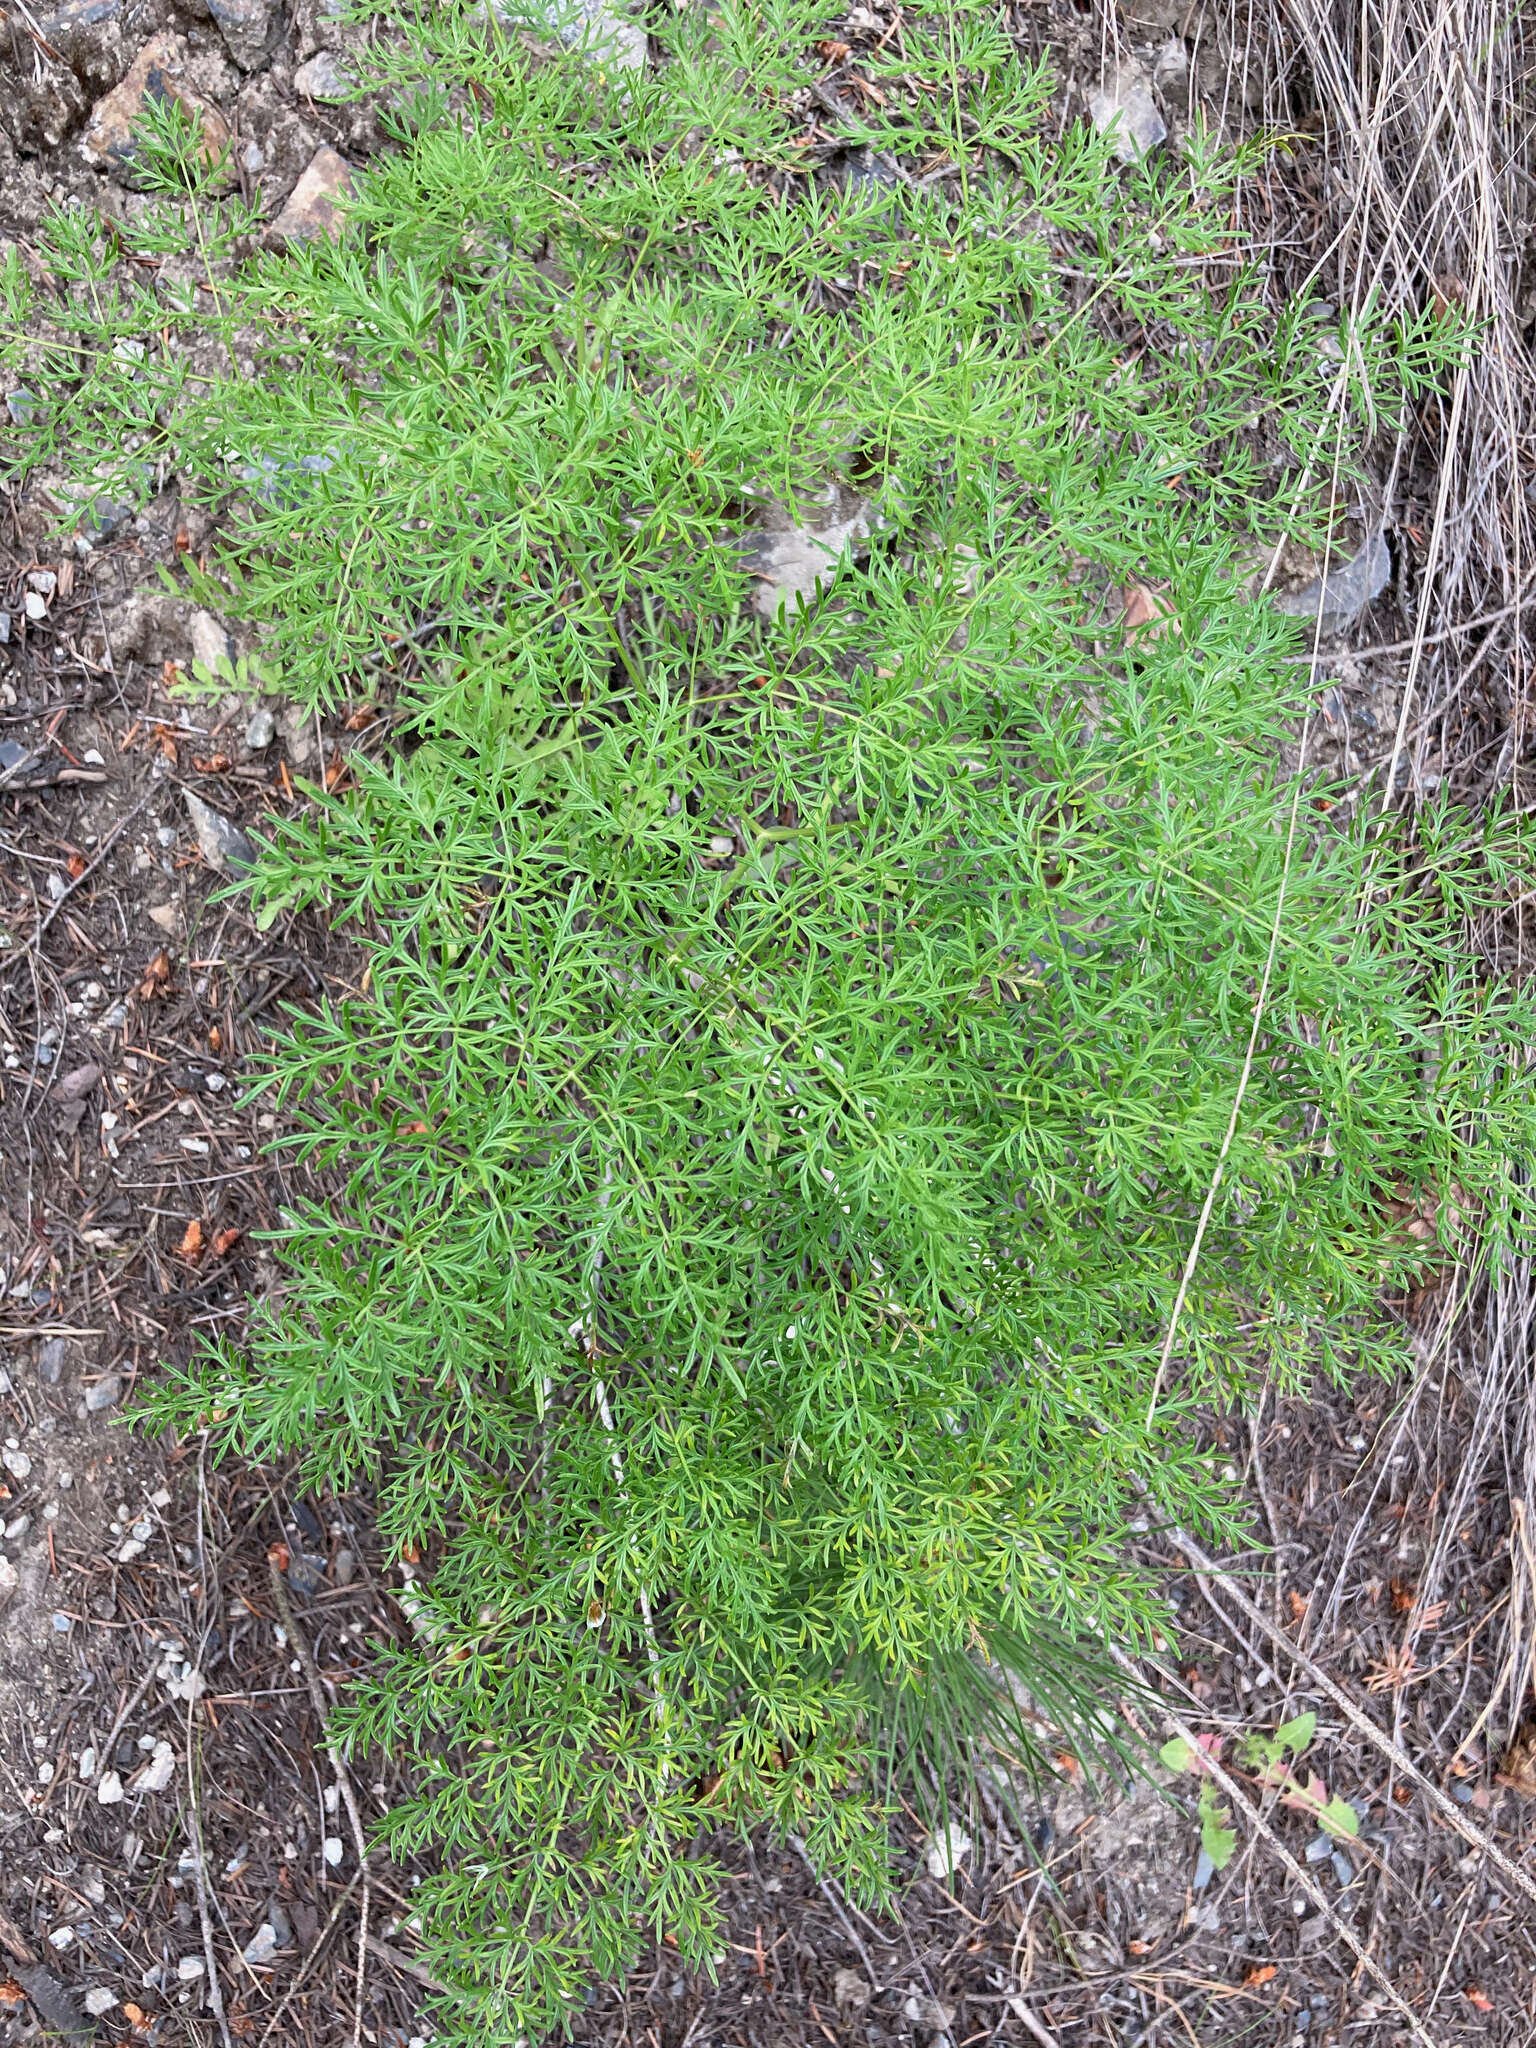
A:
(178, 1849)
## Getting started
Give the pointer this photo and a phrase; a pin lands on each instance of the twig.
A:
(117, 1726)
(343, 1778)
(1299, 1876)
(200, 1875)
(12, 1941)
(1026, 2019)
(1260, 1005)
(47, 1330)
(830, 1895)
(404, 1964)
(1434, 639)
(316, 1946)
(653, 1652)
(1362, 1723)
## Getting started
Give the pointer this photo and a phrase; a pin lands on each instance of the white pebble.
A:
(947, 1851)
(62, 1937)
(110, 1791)
(190, 1967)
(99, 1999)
(159, 1771)
(330, 1849)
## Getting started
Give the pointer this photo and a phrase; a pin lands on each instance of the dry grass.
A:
(1427, 132)
(1426, 113)
(1411, 184)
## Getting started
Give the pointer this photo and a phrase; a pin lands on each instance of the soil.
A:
(149, 1696)
(175, 1837)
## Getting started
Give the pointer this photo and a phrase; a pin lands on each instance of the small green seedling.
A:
(1267, 1757)
(1217, 1837)
(244, 675)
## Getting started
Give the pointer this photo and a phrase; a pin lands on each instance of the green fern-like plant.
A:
(801, 1043)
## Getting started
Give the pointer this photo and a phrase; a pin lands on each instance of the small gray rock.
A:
(22, 405)
(298, 732)
(306, 1574)
(16, 760)
(157, 73)
(1170, 74)
(1338, 598)
(281, 1925)
(246, 26)
(262, 1946)
(77, 1082)
(617, 37)
(264, 472)
(211, 641)
(790, 564)
(613, 36)
(1124, 108)
(104, 517)
(927, 2012)
(50, 1361)
(313, 208)
(220, 840)
(55, 2005)
(324, 77)
(88, 35)
(105, 1394)
(1343, 1869)
(344, 1568)
(262, 729)
(851, 1991)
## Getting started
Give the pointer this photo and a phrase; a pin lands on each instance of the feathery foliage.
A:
(796, 1050)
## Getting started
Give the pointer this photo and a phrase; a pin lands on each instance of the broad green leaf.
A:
(1296, 1735)
(1338, 1817)
(1217, 1838)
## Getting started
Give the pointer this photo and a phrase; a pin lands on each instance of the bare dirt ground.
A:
(177, 1854)
(156, 1723)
